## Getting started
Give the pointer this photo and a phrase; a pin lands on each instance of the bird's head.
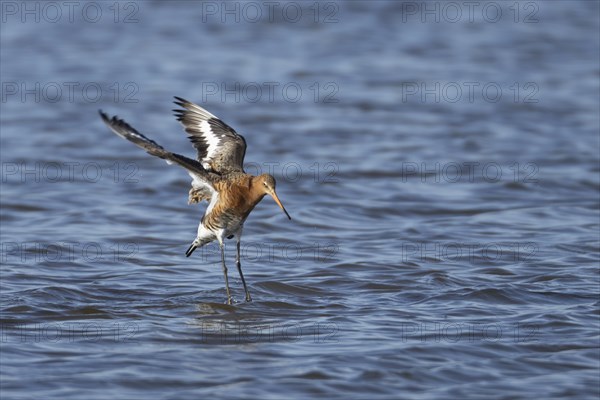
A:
(267, 184)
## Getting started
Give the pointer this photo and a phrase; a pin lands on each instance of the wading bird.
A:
(217, 177)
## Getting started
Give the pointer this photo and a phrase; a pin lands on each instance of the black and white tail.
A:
(199, 242)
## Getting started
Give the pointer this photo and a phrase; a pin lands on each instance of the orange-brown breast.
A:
(237, 197)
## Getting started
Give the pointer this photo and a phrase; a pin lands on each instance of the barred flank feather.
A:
(196, 195)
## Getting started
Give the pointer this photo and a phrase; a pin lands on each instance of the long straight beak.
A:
(274, 195)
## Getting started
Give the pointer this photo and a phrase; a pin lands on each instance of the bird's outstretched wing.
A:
(220, 148)
(202, 178)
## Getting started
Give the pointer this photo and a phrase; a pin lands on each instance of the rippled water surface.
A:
(442, 178)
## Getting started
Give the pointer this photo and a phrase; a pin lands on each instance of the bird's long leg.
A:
(225, 272)
(239, 268)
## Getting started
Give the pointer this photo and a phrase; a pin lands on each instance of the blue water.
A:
(441, 166)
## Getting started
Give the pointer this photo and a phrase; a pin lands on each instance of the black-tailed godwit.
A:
(217, 176)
